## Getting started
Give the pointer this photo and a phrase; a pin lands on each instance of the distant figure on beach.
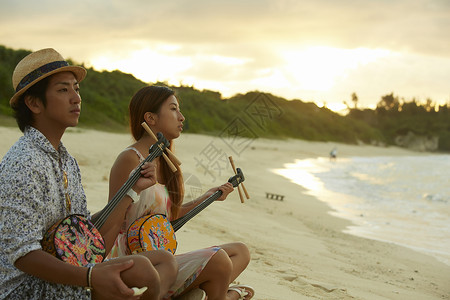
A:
(40, 184)
(211, 269)
(333, 154)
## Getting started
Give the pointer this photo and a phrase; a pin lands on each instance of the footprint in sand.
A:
(287, 277)
(290, 278)
(317, 284)
(323, 286)
(258, 251)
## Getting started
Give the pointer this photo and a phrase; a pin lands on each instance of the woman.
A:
(212, 269)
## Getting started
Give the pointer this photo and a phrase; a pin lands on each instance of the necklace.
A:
(66, 185)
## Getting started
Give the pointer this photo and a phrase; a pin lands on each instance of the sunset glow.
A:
(318, 68)
(320, 51)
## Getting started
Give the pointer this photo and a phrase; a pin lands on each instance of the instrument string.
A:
(104, 214)
(178, 223)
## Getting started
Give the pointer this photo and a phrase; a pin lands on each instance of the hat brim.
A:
(79, 72)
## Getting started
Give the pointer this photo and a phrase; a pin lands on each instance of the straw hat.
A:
(37, 66)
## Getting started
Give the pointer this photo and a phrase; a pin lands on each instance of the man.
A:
(40, 183)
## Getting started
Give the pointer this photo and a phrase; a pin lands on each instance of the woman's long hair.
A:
(150, 99)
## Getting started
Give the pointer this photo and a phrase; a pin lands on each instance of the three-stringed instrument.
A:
(153, 232)
(77, 240)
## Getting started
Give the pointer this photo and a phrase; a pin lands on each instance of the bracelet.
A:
(133, 195)
(89, 278)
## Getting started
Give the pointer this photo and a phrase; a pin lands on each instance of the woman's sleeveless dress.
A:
(155, 200)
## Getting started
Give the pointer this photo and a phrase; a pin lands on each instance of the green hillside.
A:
(254, 114)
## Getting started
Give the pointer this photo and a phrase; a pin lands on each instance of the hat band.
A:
(42, 70)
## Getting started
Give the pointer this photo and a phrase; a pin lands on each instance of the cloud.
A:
(418, 26)
(241, 45)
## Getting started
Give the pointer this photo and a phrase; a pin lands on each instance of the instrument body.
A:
(77, 240)
(156, 232)
(151, 232)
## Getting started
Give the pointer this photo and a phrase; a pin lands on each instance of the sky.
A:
(318, 51)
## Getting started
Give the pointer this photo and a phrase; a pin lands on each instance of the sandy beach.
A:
(298, 249)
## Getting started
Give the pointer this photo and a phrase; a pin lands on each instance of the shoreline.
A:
(427, 220)
(298, 249)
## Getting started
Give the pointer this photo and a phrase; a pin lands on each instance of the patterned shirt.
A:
(32, 198)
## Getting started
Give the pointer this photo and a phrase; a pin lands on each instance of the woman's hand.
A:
(225, 188)
(148, 177)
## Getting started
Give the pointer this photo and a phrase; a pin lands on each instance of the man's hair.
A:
(23, 115)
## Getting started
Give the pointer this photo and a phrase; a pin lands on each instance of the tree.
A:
(389, 103)
(429, 105)
(355, 100)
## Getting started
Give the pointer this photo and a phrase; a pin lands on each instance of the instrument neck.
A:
(178, 223)
(107, 210)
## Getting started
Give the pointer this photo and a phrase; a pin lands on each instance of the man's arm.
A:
(105, 277)
(49, 268)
